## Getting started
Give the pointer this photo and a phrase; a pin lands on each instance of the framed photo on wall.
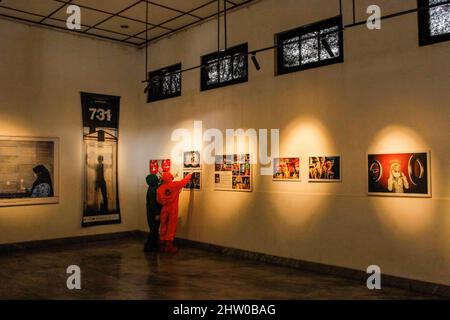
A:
(325, 169)
(196, 181)
(399, 174)
(233, 173)
(158, 167)
(191, 160)
(29, 171)
(286, 169)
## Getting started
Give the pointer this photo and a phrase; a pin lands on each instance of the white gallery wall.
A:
(41, 75)
(390, 95)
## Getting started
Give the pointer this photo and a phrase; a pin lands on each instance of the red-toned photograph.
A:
(401, 174)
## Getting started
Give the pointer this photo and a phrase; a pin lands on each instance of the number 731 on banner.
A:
(100, 114)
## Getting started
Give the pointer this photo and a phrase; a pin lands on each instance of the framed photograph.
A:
(286, 169)
(191, 160)
(158, 167)
(29, 171)
(101, 204)
(325, 169)
(399, 174)
(196, 181)
(233, 173)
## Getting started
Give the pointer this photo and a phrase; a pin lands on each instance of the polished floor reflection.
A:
(120, 270)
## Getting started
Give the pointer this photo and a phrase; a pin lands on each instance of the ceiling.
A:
(119, 20)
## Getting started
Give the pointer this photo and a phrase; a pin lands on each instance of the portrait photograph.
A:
(399, 175)
(286, 169)
(196, 181)
(29, 171)
(325, 169)
(191, 160)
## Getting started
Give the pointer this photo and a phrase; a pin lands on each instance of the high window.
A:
(165, 83)
(310, 46)
(225, 67)
(434, 22)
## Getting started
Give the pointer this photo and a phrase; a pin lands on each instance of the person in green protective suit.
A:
(153, 214)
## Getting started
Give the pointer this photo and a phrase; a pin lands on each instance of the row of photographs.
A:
(29, 172)
(232, 173)
(396, 174)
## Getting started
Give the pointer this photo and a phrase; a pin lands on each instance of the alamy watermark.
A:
(74, 280)
(374, 280)
(374, 20)
(73, 21)
(228, 142)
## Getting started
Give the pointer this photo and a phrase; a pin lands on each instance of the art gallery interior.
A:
(354, 95)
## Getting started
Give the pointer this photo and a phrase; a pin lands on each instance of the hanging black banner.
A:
(100, 137)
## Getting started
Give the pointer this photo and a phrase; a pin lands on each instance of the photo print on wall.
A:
(286, 169)
(191, 160)
(158, 167)
(196, 181)
(325, 169)
(233, 173)
(192, 164)
(29, 171)
(101, 137)
(399, 174)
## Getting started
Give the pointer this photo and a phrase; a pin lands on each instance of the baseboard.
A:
(347, 273)
(44, 244)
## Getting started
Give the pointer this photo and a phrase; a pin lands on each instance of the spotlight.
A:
(255, 62)
(147, 87)
(327, 47)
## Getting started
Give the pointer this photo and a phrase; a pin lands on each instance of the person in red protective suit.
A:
(168, 195)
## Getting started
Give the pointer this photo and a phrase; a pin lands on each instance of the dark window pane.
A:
(310, 48)
(439, 18)
(329, 43)
(291, 52)
(434, 23)
(212, 74)
(165, 83)
(225, 68)
(239, 69)
(176, 82)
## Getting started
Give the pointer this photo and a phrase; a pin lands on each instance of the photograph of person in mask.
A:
(399, 174)
(42, 186)
(397, 181)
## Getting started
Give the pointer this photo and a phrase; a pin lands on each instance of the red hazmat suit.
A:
(168, 195)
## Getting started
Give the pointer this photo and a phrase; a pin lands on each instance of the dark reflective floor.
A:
(120, 270)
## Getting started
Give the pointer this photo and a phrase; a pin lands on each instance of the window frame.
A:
(241, 48)
(172, 69)
(423, 19)
(298, 32)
